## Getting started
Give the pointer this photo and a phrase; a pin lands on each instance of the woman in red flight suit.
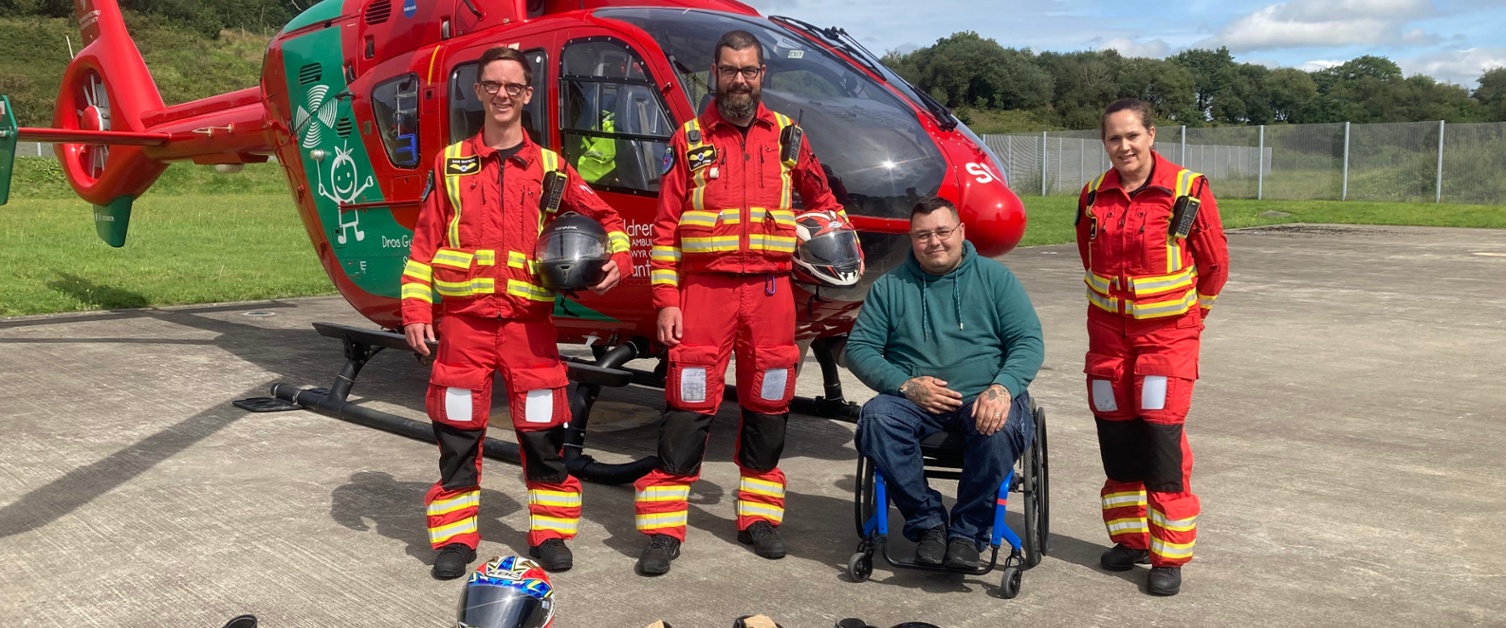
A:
(1154, 250)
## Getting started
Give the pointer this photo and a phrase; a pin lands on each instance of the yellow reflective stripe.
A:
(698, 189)
(731, 216)
(1110, 304)
(1173, 255)
(438, 536)
(528, 291)
(660, 520)
(462, 501)
(663, 494)
(418, 291)
(1184, 182)
(1206, 299)
(551, 159)
(619, 241)
(711, 244)
(415, 269)
(452, 188)
(452, 258)
(1120, 500)
(486, 257)
(786, 186)
(1119, 526)
(756, 509)
(698, 218)
(667, 254)
(1157, 284)
(1175, 525)
(558, 524)
(761, 487)
(517, 260)
(782, 217)
(664, 277)
(562, 499)
(1161, 308)
(1099, 283)
(470, 287)
(1171, 550)
(761, 242)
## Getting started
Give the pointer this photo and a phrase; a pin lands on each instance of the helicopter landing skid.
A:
(363, 344)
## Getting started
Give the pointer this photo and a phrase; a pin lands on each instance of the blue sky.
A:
(1451, 40)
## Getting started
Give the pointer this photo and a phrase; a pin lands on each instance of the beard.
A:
(738, 102)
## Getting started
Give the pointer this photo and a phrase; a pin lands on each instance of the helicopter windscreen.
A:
(879, 158)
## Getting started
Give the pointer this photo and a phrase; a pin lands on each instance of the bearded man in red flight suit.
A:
(473, 246)
(724, 238)
(1154, 250)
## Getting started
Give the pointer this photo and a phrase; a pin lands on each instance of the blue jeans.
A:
(890, 429)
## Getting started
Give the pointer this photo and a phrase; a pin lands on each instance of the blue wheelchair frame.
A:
(941, 460)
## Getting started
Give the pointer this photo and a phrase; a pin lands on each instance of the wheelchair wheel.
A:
(1009, 584)
(1034, 488)
(860, 566)
(863, 498)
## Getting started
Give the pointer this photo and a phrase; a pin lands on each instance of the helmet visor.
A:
(838, 248)
(495, 606)
(570, 246)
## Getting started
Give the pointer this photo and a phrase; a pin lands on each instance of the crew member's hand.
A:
(931, 394)
(991, 409)
(671, 326)
(613, 276)
(419, 335)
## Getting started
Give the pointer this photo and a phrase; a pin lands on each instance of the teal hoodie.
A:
(971, 328)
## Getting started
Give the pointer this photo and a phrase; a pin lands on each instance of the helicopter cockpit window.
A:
(613, 124)
(395, 103)
(879, 157)
(467, 113)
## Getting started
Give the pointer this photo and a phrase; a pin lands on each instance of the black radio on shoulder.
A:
(1183, 213)
(789, 145)
(554, 191)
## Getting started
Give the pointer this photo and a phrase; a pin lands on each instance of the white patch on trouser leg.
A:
(539, 407)
(457, 405)
(773, 384)
(1153, 393)
(693, 384)
(1103, 396)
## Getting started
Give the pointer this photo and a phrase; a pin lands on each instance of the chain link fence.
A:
(1411, 161)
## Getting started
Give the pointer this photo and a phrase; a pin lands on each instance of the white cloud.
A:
(1155, 48)
(1321, 23)
(1456, 66)
(1320, 64)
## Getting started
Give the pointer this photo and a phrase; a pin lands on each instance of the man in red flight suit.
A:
(1154, 250)
(723, 242)
(476, 234)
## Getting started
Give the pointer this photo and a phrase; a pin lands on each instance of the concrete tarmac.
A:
(1349, 429)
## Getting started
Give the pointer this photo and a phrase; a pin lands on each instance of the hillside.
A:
(186, 64)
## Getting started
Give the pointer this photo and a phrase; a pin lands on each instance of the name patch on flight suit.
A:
(700, 157)
(462, 165)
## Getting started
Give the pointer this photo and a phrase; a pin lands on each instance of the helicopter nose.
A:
(994, 215)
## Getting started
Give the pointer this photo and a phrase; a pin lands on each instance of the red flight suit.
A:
(724, 238)
(473, 246)
(1148, 291)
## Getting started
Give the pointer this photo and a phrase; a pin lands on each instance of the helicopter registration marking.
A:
(980, 172)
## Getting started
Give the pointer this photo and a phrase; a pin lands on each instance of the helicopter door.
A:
(613, 124)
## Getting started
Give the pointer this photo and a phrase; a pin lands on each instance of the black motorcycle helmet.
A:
(572, 251)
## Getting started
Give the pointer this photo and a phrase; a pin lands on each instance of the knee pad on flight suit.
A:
(769, 386)
(541, 454)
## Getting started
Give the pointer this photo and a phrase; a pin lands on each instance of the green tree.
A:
(1213, 71)
(967, 70)
(1290, 90)
(1491, 94)
(1168, 87)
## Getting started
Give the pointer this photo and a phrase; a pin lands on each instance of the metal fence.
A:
(1411, 161)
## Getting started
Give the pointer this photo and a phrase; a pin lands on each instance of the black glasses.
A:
(513, 90)
(749, 72)
(940, 234)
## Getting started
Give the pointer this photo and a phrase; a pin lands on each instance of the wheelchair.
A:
(942, 455)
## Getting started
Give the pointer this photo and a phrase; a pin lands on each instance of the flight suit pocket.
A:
(694, 381)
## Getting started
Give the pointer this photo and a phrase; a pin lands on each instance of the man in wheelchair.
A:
(950, 341)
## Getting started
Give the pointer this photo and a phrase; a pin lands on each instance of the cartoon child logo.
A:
(344, 175)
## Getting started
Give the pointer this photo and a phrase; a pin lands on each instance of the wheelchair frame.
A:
(943, 460)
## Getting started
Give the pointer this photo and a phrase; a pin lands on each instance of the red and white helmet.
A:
(827, 251)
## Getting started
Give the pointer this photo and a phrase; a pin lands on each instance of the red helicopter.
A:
(357, 96)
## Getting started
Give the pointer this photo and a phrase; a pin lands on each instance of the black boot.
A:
(765, 539)
(1164, 581)
(661, 549)
(1121, 558)
(932, 546)
(961, 554)
(452, 561)
(553, 555)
